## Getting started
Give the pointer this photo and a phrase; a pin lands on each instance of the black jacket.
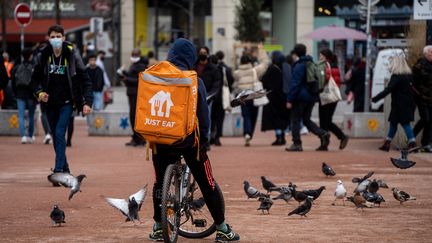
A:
(212, 78)
(96, 77)
(131, 76)
(21, 92)
(4, 79)
(422, 76)
(357, 86)
(275, 114)
(80, 85)
(402, 104)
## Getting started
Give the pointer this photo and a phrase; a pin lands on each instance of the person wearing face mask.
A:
(61, 84)
(96, 76)
(212, 78)
(100, 63)
(130, 78)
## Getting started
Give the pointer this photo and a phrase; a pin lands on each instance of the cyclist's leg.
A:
(202, 172)
(161, 160)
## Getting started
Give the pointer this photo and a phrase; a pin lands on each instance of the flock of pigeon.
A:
(365, 194)
(128, 207)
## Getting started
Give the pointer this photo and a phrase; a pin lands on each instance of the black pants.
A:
(326, 119)
(424, 123)
(303, 110)
(202, 172)
(217, 117)
(132, 111)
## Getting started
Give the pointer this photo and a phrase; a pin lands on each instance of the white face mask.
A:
(134, 59)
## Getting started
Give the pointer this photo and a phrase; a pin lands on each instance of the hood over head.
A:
(183, 54)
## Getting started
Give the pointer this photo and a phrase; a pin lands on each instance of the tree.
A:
(247, 22)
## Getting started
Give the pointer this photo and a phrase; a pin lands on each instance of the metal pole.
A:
(191, 19)
(3, 19)
(156, 32)
(57, 9)
(429, 31)
(22, 38)
(368, 57)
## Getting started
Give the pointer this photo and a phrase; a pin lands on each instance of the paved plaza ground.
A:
(112, 169)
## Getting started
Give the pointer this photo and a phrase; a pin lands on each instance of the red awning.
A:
(38, 28)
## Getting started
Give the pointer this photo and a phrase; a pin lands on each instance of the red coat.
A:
(335, 74)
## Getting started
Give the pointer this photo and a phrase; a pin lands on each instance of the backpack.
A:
(315, 77)
(166, 104)
(23, 74)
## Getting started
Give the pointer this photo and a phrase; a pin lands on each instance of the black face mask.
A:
(202, 57)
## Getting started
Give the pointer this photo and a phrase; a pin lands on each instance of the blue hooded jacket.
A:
(183, 55)
(298, 91)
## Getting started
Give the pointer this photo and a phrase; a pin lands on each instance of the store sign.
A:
(422, 9)
(50, 6)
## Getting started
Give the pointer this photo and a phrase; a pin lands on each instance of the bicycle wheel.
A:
(170, 204)
(196, 220)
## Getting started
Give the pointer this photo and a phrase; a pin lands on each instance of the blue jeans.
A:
(97, 101)
(58, 118)
(249, 114)
(408, 131)
(24, 104)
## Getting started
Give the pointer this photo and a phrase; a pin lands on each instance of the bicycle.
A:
(183, 207)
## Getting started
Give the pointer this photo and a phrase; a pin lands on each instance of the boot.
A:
(325, 141)
(294, 148)
(385, 146)
(280, 140)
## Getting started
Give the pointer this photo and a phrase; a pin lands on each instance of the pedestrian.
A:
(62, 84)
(245, 77)
(356, 85)
(7, 63)
(151, 58)
(212, 78)
(275, 115)
(100, 63)
(4, 79)
(422, 76)
(183, 55)
(403, 104)
(96, 76)
(21, 76)
(326, 111)
(130, 78)
(9, 101)
(218, 112)
(301, 102)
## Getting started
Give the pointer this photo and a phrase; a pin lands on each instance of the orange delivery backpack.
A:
(166, 104)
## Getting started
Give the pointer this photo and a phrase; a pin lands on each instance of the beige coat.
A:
(244, 77)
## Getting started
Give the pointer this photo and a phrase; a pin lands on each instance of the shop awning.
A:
(38, 28)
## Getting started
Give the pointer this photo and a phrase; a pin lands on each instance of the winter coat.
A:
(275, 114)
(183, 55)
(244, 76)
(131, 76)
(212, 78)
(422, 76)
(4, 79)
(298, 91)
(96, 76)
(402, 104)
(357, 86)
(80, 85)
(21, 92)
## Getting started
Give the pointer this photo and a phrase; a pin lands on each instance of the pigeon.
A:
(373, 197)
(268, 185)
(57, 216)
(298, 196)
(403, 162)
(382, 184)
(303, 209)
(362, 182)
(251, 192)
(359, 201)
(401, 196)
(340, 192)
(285, 194)
(131, 206)
(327, 170)
(197, 204)
(373, 187)
(314, 193)
(266, 204)
(67, 180)
(246, 95)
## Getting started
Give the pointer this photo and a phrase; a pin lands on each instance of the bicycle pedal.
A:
(200, 223)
